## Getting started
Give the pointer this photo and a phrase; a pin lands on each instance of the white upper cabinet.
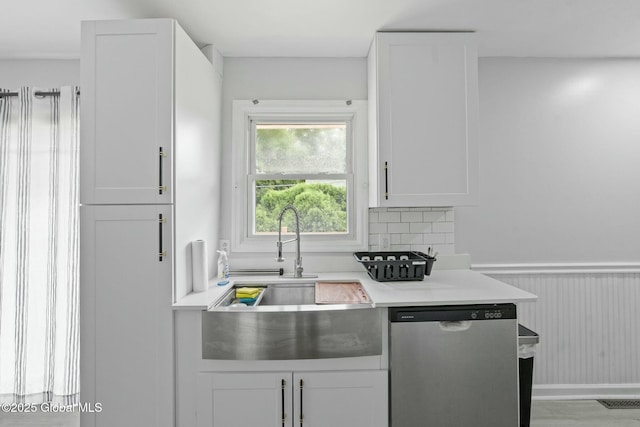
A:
(127, 112)
(423, 101)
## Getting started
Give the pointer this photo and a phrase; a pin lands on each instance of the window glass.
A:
(316, 153)
(301, 148)
(322, 205)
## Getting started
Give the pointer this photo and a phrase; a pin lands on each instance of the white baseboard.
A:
(585, 391)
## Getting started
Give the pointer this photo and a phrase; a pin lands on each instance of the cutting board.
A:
(340, 293)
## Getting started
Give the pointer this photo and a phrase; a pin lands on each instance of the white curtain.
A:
(39, 347)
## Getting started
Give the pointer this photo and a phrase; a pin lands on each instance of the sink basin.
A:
(289, 294)
(286, 323)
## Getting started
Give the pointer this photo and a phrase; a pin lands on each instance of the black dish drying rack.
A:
(396, 266)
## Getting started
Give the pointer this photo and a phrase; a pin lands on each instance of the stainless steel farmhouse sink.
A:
(286, 323)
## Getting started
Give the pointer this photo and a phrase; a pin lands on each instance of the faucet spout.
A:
(298, 261)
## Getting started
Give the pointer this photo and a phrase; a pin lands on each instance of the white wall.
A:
(282, 79)
(559, 163)
(559, 167)
(44, 73)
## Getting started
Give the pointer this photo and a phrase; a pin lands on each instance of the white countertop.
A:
(442, 287)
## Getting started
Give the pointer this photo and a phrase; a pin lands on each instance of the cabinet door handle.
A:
(161, 187)
(301, 401)
(161, 252)
(386, 180)
(284, 416)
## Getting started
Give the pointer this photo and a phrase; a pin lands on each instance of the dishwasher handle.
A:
(455, 326)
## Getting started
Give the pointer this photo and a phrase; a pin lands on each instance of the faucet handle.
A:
(279, 257)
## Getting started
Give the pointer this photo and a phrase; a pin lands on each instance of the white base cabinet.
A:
(340, 399)
(244, 399)
(126, 356)
(423, 119)
(292, 399)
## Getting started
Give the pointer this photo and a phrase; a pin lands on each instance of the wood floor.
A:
(582, 413)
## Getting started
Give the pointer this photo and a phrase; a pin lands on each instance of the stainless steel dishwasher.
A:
(453, 366)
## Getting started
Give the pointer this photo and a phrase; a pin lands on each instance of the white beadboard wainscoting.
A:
(588, 318)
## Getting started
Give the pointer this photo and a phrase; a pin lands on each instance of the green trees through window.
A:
(322, 205)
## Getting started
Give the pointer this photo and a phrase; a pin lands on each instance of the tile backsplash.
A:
(412, 229)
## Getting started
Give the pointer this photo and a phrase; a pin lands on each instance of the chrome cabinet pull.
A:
(161, 155)
(386, 180)
(284, 416)
(161, 253)
(301, 411)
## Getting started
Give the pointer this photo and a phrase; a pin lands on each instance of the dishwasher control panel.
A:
(453, 313)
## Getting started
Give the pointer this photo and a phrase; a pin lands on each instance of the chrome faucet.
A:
(297, 265)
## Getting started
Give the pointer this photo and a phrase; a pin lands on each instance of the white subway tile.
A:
(378, 227)
(389, 217)
(434, 216)
(450, 215)
(413, 228)
(412, 239)
(420, 227)
(433, 238)
(443, 227)
(411, 216)
(398, 227)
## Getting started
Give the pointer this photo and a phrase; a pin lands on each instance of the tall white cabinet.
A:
(149, 185)
(423, 124)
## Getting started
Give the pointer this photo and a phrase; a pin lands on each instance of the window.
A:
(311, 154)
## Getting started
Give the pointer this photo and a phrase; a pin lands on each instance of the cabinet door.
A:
(427, 119)
(340, 399)
(126, 112)
(126, 316)
(244, 399)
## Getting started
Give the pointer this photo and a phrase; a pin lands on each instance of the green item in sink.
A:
(248, 292)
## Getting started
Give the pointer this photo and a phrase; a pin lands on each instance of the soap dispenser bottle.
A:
(223, 265)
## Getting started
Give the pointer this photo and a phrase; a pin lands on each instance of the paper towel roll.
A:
(199, 266)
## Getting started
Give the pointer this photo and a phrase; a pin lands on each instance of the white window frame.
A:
(244, 113)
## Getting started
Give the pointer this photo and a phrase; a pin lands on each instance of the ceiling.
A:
(337, 28)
